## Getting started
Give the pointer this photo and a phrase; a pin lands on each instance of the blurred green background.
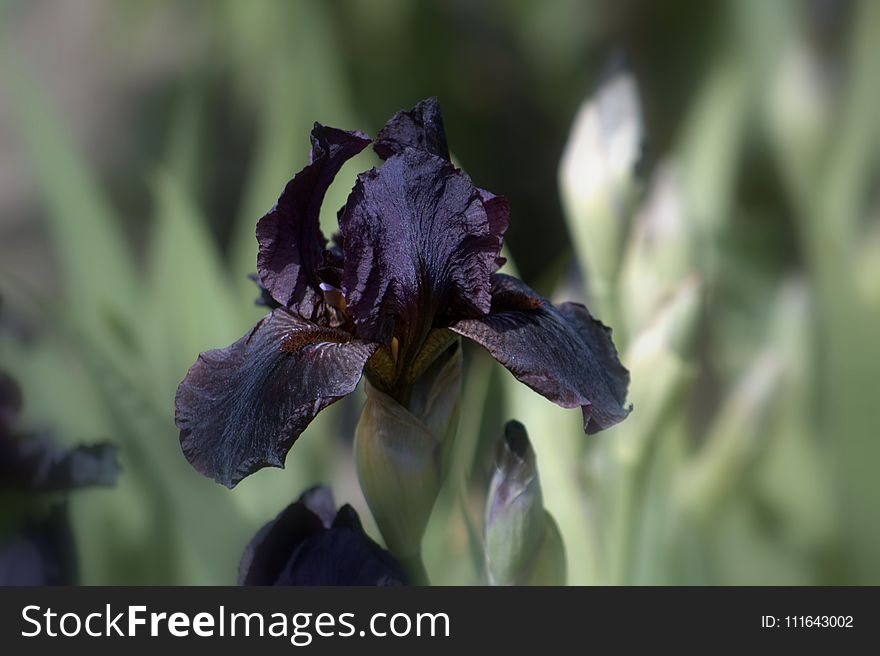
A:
(718, 205)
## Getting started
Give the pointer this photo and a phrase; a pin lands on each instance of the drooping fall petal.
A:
(242, 407)
(561, 352)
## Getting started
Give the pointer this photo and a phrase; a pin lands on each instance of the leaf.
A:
(189, 304)
(96, 261)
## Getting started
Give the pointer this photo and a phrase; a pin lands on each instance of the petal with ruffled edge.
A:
(498, 211)
(419, 247)
(420, 127)
(242, 407)
(561, 352)
(289, 236)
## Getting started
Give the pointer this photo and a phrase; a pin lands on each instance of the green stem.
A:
(415, 570)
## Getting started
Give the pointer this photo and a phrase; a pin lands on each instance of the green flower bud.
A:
(597, 179)
(548, 566)
(523, 543)
(401, 453)
(658, 256)
(660, 362)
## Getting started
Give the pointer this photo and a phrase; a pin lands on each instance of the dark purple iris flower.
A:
(32, 462)
(310, 543)
(41, 550)
(414, 264)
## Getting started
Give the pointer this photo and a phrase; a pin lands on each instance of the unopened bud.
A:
(660, 360)
(597, 177)
(548, 566)
(523, 544)
(401, 452)
(658, 256)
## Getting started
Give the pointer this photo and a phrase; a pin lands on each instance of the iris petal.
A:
(420, 249)
(420, 127)
(498, 212)
(268, 552)
(289, 236)
(309, 543)
(265, 298)
(242, 407)
(561, 352)
(342, 555)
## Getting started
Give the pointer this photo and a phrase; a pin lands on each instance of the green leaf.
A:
(96, 261)
(189, 304)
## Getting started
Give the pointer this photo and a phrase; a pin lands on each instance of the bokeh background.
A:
(704, 175)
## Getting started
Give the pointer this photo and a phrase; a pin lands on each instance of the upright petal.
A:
(309, 543)
(268, 552)
(420, 127)
(498, 211)
(560, 351)
(290, 238)
(242, 407)
(265, 298)
(419, 249)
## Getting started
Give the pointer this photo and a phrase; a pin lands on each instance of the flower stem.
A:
(415, 570)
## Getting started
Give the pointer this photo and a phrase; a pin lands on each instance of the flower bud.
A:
(658, 256)
(548, 566)
(661, 364)
(523, 543)
(401, 452)
(597, 178)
